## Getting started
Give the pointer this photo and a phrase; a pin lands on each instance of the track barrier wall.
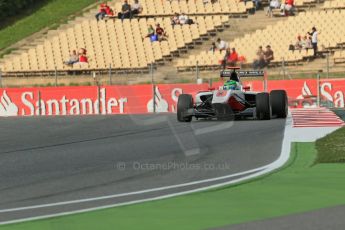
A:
(141, 99)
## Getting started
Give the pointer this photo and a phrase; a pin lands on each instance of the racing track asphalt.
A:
(56, 159)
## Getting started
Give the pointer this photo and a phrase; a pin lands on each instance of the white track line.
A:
(130, 193)
(283, 158)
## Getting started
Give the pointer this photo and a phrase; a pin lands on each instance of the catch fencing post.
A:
(283, 66)
(56, 80)
(110, 77)
(153, 90)
(94, 78)
(328, 65)
(99, 98)
(318, 89)
(39, 104)
(197, 70)
(265, 81)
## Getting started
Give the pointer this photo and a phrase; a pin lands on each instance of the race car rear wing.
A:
(245, 73)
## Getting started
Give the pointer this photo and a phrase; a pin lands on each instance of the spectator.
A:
(233, 58)
(274, 4)
(82, 51)
(298, 44)
(314, 39)
(136, 8)
(264, 57)
(260, 58)
(125, 11)
(222, 45)
(242, 59)
(73, 58)
(183, 18)
(213, 47)
(256, 3)
(82, 56)
(230, 58)
(101, 13)
(175, 19)
(162, 35)
(108, 11)
(206, 1)
(306, 43)
(287, 8)
(150, 32)
(225, 58)
(268, 56)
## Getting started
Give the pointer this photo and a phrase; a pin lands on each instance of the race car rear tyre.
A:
(185, 102)
(279, 103)
(223, 112)
(263, 106)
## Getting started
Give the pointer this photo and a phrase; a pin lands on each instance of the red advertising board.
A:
(303, 92)
(138, 99)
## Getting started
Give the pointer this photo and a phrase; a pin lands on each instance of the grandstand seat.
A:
(284, 33)
(110, 43)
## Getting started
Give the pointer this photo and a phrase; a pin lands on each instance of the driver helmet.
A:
(230, 85)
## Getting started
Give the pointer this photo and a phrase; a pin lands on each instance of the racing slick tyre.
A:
(263, 106)
(223, 112)
(185, 102)
(279, 103)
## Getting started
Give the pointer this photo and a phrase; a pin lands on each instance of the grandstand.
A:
(339, 56)
(154, 8)
(334, 4)
(119, 45)
(280, 36)
(112, 43)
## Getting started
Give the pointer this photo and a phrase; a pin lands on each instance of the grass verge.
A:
(331, 149)
(296, 188)
(50, 15)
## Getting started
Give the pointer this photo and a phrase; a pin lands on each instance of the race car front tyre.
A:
(223, 112)
(263, 106)
(185, 102)
(279, 103)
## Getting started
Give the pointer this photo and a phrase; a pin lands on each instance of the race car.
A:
(233, 101)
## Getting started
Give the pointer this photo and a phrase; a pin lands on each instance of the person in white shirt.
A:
(136, 8)
(307, 43)
(314, 33)
(274, 4)
(183, 18)
(222, 45)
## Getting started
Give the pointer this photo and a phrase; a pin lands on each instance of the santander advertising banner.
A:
(138, 99)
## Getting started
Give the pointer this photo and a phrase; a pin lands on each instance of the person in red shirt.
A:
(82, 56)
(233, 58)
(288, 7)
(160, 33)
(230, 58)
(109, 12)
(289, 2)
(101, 13)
